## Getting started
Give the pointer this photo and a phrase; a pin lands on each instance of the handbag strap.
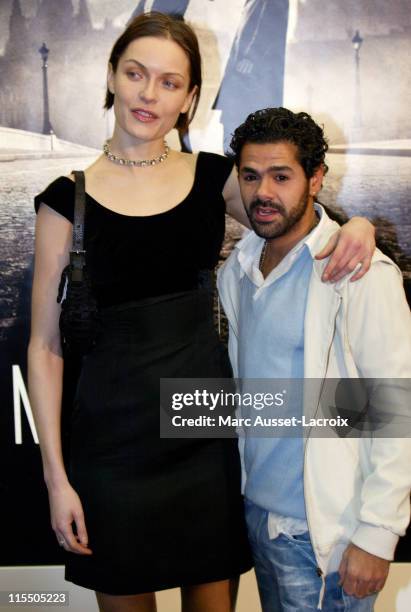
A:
(77, 253)
(79, 210)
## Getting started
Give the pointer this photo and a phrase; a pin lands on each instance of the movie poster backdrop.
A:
(346, 63)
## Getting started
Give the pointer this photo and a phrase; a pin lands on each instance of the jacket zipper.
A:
(319, 571)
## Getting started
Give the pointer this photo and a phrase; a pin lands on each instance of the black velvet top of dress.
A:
(134, 257)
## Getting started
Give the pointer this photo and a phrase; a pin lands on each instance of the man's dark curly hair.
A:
(280, 124)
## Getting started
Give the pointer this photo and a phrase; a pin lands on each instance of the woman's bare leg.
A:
(145, 602)
(218, 596)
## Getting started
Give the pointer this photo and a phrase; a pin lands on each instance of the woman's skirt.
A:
(159, 513)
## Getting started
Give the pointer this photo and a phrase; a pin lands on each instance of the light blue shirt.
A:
(271, 345)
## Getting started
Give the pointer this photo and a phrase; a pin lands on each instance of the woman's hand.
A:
(66, 509)
(353, 244)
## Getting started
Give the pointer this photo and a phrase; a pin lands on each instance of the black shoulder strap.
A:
(79, 210)
(78, 254)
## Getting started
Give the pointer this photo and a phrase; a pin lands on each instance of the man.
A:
(324, 515)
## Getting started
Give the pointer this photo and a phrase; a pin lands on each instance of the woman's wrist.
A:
(55, 479)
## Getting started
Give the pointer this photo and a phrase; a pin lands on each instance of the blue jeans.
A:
(287, 576)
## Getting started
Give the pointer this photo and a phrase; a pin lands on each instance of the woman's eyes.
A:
(169, 84)
(137, 76)
(134, 75)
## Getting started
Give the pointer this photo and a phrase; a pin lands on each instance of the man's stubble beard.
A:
(276, 229)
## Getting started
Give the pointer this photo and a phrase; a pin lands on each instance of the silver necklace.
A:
(262, 256)
(140, 163)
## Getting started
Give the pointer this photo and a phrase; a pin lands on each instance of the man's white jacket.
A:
(356, 489)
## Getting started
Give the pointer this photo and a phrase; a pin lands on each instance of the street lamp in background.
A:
(356, 43)
(47, 127)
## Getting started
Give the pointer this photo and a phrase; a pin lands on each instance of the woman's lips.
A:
(265, 214)
(143, 115)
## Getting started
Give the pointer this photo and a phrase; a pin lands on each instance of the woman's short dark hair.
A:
(282, 125)
(171, 27)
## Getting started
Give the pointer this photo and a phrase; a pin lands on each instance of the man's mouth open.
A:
(265, 214)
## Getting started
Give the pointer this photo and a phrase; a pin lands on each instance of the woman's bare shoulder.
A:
(189, 159)
(90, 170)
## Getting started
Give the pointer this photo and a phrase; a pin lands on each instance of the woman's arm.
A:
(353, 244)
(233, 202)
(45, 374)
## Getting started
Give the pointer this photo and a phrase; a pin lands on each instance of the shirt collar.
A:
(250, 246)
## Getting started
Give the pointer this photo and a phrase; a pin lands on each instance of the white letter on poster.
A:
(19, 392)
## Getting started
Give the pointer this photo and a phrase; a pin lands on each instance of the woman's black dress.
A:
(160, 513)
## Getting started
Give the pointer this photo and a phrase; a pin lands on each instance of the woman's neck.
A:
(128, 147)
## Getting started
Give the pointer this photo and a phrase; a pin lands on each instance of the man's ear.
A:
(110, 78)
(316, 181)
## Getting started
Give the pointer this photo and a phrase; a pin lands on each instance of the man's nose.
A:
(266, 189)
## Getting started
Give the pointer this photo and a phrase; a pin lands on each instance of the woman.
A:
(142, 513)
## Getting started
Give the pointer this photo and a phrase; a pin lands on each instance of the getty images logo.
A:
(20, 396)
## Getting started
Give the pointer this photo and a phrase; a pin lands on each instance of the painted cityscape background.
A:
(347, 62)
